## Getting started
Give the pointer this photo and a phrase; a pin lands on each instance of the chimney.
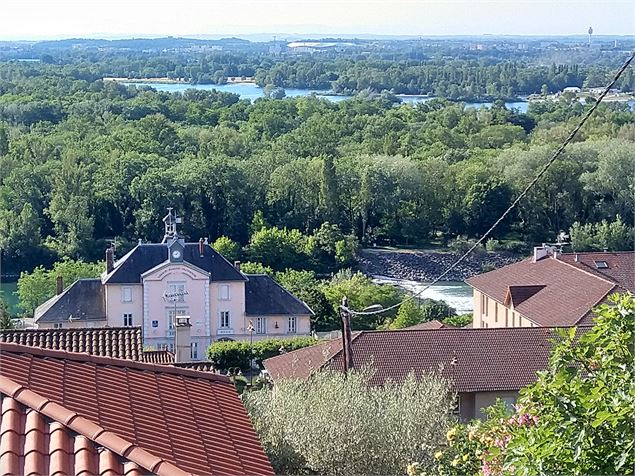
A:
(110, 261)
(201, 250)
(59, 285)
(540, 252)
(237, 265)
(577, 258)
(183, 337)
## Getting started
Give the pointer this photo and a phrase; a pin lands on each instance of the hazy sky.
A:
(27, 19)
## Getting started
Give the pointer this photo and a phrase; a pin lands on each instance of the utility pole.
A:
(347, 343)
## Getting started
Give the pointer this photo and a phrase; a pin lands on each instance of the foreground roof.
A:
(264, 296)
(116, 342)
(475, 360)
(84, 300)
(144, 257)
(548, 292)
(69, 413)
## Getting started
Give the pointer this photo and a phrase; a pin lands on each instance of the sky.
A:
(39, 19)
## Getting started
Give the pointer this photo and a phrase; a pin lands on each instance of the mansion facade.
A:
(156, 282)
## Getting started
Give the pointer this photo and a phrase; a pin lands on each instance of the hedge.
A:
(232, 354)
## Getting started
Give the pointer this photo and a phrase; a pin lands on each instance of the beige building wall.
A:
(117, 303)
(491, 313)
(472, 404)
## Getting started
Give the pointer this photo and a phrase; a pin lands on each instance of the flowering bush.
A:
(576, 419)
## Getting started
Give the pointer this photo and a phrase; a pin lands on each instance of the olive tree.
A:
(333, 423)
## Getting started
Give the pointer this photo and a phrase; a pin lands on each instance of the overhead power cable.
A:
(529, 186)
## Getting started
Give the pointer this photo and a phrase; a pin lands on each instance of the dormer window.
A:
(601, 264)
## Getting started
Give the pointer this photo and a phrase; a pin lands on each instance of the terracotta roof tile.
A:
(129, 418)
(550, 292)
(484, 359)
(620, 266)
(117, 342)
(433, 324)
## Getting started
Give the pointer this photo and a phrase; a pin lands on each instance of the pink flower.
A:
(535, 419)
(487, 471)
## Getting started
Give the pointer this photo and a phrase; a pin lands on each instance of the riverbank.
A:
(426, 266)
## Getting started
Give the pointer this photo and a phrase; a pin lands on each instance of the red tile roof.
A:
(620, 270)
(476, 360)
(434, 324)
(71, 412)
(116, 342)
(549, 292)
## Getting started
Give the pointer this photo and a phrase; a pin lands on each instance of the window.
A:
(57, 325)
(292, 325)
(223, 292)
(224, 319)
(172, 316)
(506, 317)
(482, 303)
(155, 323)
(486, 305)
(177, 289)
(127, 320)
(168, 347)
(194, 351)
(261, 325)
(509, 402)
(495, 312)
(601, 264)
(126, 294)
(513, 319)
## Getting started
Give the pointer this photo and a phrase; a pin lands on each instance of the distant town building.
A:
(481, 364)
(155, 283)
(550, 288)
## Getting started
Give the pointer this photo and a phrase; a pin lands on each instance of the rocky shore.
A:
(427, 265)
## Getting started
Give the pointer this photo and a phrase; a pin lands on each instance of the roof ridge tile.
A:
(109, 361)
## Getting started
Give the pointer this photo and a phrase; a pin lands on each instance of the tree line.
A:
(84, 162)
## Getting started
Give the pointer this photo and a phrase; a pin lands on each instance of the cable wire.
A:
(526, 190)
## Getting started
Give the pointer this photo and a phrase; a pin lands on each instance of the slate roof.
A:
(475, 360)
(263, 297)
(143, 257)
(70, 413)
(548, 292)
(84, 300)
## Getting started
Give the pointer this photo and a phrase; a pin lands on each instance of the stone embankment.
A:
(427, 265)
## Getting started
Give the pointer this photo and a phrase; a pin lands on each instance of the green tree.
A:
(278, 248)
(6, 322)
(36, 287)
(335, 424)
(228, 248)
(409, 314)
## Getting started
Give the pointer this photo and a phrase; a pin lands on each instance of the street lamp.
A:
(250, 328)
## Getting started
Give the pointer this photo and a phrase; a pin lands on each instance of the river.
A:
(252, 91)
(456, 293)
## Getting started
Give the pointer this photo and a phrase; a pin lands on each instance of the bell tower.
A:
(170, 221)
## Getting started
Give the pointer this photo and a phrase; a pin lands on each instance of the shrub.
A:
(461, 244)
(338, 425)
(237, 354)
(576, 419)
(458, 321)
(511, 246)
